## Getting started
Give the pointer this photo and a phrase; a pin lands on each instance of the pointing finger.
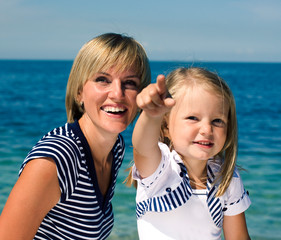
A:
(161, 85)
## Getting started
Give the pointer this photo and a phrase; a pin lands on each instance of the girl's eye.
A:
(192, 118)
(218, 122)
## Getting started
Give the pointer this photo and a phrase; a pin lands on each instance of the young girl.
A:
(188, 185)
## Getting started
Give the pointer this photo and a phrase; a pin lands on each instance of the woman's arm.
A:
(146, 133)
(235, 227)
(34, 194)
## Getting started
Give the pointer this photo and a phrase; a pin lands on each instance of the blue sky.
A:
(202, 30)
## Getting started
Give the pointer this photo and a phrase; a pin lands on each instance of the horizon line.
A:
(152, 60)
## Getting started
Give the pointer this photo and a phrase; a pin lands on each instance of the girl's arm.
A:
(146, 133)
(235, 227)
(34, 194)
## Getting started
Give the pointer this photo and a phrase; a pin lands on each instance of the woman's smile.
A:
(115, 110)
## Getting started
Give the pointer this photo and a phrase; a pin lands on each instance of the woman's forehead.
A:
(119, 68)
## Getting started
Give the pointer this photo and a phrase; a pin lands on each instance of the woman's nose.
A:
(116, 90)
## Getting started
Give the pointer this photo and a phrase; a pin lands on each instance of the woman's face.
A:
(109, 99)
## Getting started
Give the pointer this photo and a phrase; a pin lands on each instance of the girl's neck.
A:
(197, 173)
(196, 168)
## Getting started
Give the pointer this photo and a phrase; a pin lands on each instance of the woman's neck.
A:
(100, 143)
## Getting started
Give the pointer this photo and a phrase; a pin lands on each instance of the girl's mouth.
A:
(204, 143)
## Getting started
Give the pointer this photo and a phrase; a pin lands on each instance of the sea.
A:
(32, 95)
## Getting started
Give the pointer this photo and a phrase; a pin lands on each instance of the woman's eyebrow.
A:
(104, 73)
(130, 76)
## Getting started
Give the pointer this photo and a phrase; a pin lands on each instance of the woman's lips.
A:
(114, 109)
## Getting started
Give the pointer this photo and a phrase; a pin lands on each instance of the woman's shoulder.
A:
(68, 130)
(59, 138)
(62, 145)
(59, 143)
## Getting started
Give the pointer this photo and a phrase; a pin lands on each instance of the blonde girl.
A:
(188, 185)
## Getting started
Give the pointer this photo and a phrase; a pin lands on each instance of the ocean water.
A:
(32, 103)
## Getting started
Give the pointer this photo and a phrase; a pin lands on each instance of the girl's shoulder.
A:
(215, 164)
(167, 175)
(215, 167)
(236, 198)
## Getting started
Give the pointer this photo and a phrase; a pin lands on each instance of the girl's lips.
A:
(204, 143)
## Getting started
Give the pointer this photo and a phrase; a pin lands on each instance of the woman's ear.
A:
(79, 101)
(79, 98)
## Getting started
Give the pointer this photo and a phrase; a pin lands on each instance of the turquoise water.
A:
(32, 103)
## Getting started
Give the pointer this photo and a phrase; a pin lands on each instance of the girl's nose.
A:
(116, 90)
(206, 129)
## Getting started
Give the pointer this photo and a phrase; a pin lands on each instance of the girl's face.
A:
(110, 99)
(198, 124)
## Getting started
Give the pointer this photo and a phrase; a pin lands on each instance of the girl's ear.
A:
(165, 133)
(165, 126)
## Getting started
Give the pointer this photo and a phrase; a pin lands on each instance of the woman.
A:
(67, 181)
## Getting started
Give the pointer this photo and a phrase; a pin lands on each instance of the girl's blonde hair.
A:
(99, 54)
(183, 78)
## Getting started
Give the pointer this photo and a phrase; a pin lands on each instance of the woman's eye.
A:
(218, 122)
(130, 84)
(102, 79)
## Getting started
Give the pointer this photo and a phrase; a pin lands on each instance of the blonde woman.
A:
(67, 181)
(188, 185)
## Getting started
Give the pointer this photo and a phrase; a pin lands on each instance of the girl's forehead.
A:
(195, 91)
(196, 98)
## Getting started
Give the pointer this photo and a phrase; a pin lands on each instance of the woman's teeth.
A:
(114, 109)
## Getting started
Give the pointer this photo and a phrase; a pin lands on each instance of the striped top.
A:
(82, 212)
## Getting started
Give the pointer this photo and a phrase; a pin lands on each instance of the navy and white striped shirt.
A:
(82, 212)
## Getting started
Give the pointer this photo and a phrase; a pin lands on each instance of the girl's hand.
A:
(153, 99)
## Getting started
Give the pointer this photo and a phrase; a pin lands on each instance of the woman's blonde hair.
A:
(184, 78)
(99, 54)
